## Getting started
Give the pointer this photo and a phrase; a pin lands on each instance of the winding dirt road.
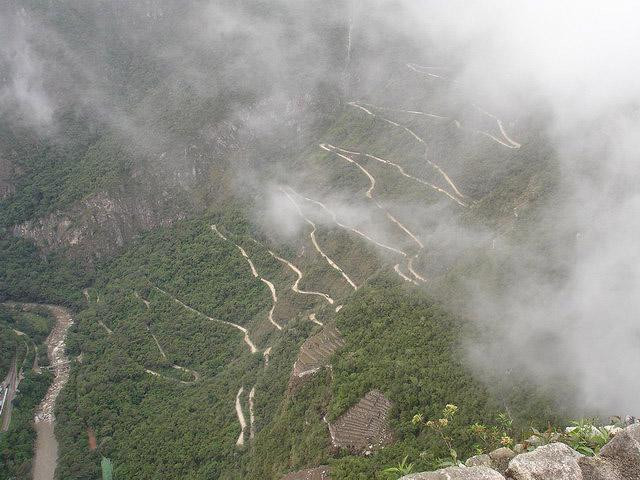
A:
(252, 428)
(215, 229)
(265, 354)
(241, 420)
(408, 175)
(419, 139)
(511, 143)
(337, 151)
(296, 285)
(413, 272)
(369, 194)
(315, 243)
(254, 272)
(274, 298)
(396, 268)
(420, 69)
(196, 375)
(353, 229)
(247, 340)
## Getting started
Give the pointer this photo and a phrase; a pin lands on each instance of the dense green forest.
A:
(195, 421)
(28, 275)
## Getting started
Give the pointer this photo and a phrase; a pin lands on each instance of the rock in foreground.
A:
(618, 460)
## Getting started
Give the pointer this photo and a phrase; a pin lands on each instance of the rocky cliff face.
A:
(103, 222)
(618, 460)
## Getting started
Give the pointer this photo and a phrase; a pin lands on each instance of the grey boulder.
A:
(553, 461)
(623, 453)
(482, 460)
(457, 473)
(501, 457)
(595, 468)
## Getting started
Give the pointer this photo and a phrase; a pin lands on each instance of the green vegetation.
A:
(25, 275)
(55, 175)
(409, 347)
(403, 468)
(196, 423)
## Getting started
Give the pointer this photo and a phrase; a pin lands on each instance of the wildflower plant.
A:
(440, 426)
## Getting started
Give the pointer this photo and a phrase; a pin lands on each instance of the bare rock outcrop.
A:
(500, 458)
(457, 473)
(555, 460)
(482, 460)
(618, 460)
(101, 223)
(623, 453)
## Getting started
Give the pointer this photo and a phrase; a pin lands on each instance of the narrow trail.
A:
(296, 285)
(143, 300)
(312, 317)
(85, 292)
(157, 344)
(241, 420)
(196, 376)
(354, 230)
(247, 340)
(336, 150)
(312, 235)
(254, 272)
(251, 265)
(420, 69)
(266, 354)
(413, 272)
(107, 329)
(419, 139)
(274, 297)
(252, 428)
(504, 133)
(215, 229)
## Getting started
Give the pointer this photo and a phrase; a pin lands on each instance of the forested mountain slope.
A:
(253, 242)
